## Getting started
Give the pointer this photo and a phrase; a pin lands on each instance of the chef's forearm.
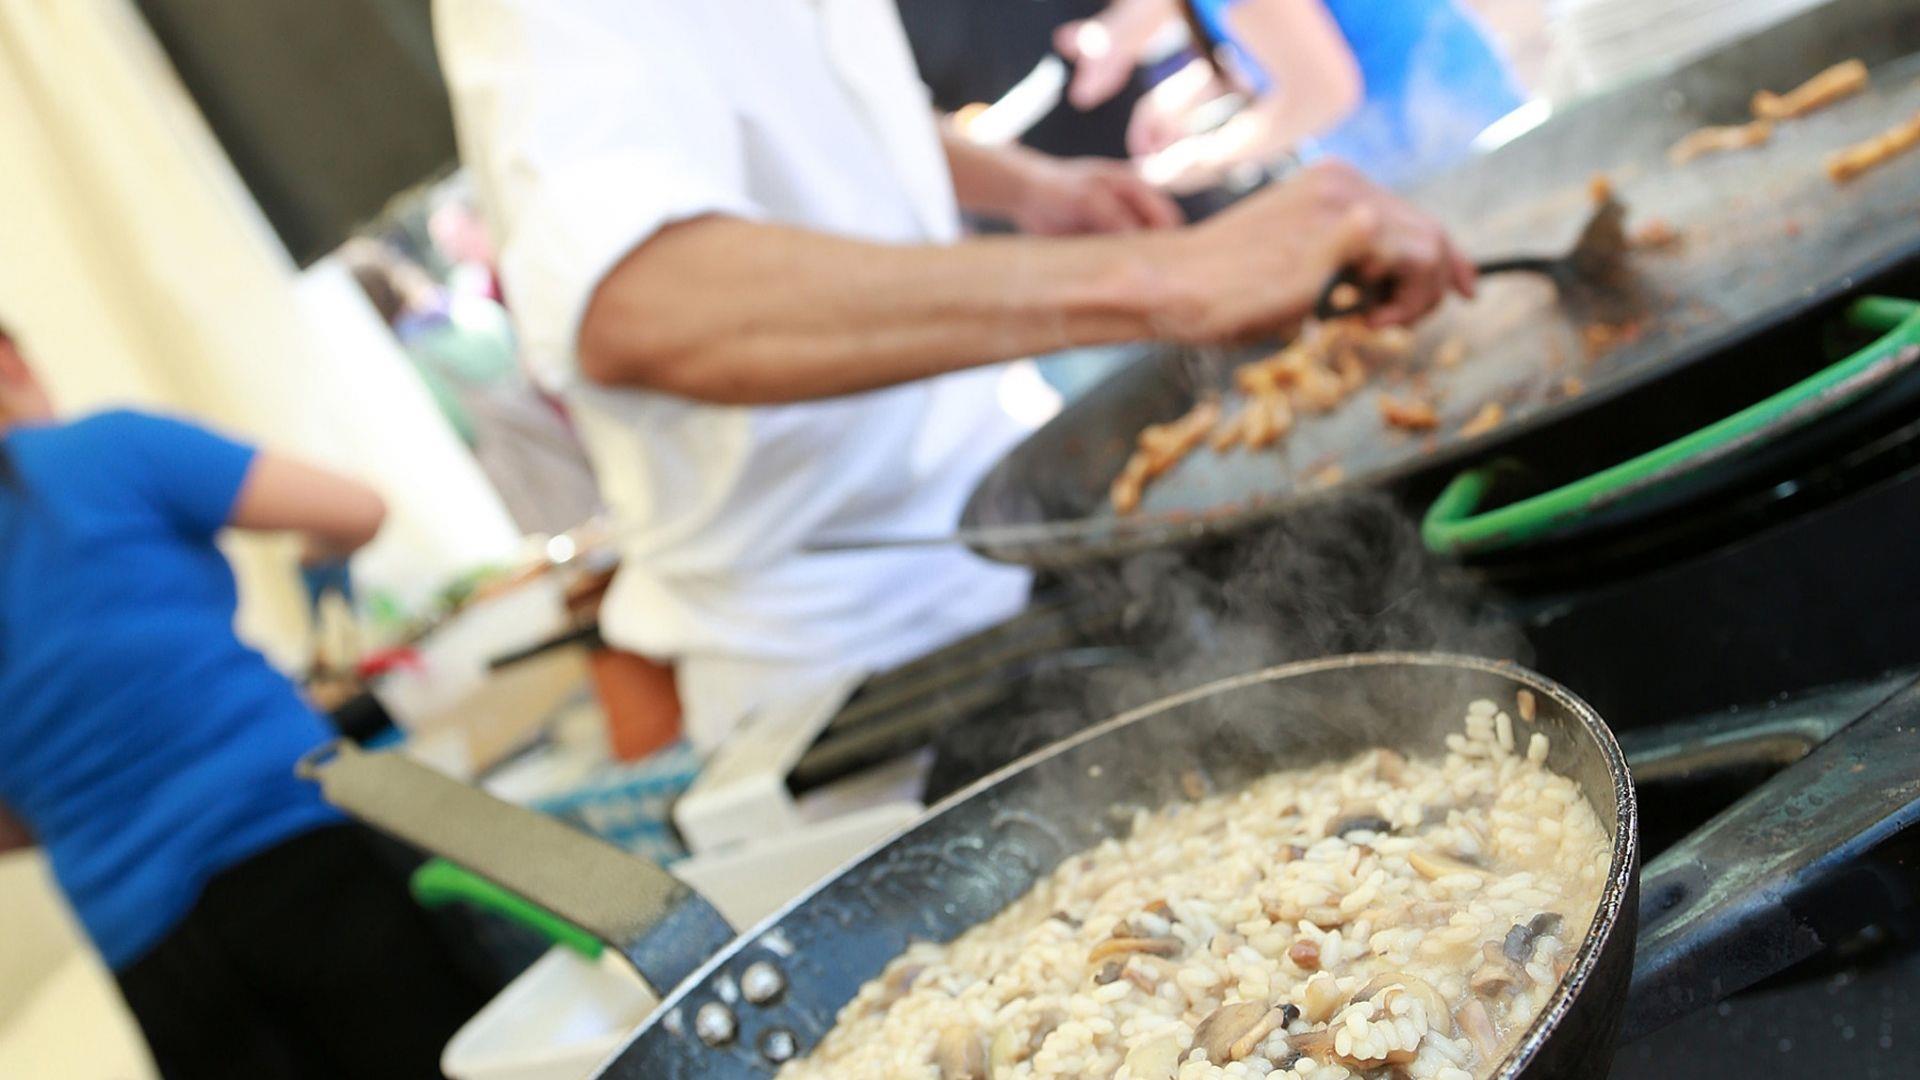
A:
(737, 312)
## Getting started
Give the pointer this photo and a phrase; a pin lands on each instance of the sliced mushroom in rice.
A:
(1122, 946)
(1141, 975)
(1234, 1031)
(960, 1054)
(1011, 1045)
(1434, 865)
(1361, 822)
(1497, 973)
(1320, 1044)
(1439, 1016)
(1156, 1059)
(1475, 1023)
(897, 982)
(1524, 937)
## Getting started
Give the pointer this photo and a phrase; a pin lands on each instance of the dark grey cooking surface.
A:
(1856, 1023)
(1765, 235)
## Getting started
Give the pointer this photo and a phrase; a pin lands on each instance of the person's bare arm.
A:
(1049, 196)
(1318, 82)
(722, 310)
(1317, 85)
(337, 514)
(14, 834)
(1106, 48)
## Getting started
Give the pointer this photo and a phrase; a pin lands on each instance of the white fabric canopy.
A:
(138, 270)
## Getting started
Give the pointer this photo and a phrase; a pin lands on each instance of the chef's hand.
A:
(1170, 111)
(1259, 267)
(1079, 196)
(1106, 48)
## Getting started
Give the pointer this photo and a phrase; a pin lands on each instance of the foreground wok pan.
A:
(1740, 900)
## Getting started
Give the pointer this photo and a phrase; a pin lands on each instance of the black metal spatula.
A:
(1590, 269)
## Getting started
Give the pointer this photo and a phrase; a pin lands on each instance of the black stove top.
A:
(1853, 1022)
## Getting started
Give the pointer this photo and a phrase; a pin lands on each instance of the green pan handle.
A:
(1452, 527)
(438, 883)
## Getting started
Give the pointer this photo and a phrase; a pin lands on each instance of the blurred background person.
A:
(460, 235)
(462, 345)
(972, 52)
(253, 932)
(1399, 88)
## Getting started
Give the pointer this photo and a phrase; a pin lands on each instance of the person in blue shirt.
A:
(1399, 88)
(150, 754)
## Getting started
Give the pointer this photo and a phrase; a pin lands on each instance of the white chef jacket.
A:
(588, 126)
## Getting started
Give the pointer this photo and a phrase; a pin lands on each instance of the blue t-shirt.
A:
(1433, 79)
(146, 747)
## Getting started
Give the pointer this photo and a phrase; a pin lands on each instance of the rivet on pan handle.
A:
(665, 928)
(1455, 526)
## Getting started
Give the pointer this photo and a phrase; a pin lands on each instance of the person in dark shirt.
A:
(974, 51)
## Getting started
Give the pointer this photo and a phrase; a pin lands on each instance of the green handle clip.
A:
(1452, 527)
(438, 883)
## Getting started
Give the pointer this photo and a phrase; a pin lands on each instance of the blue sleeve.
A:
(190, 475)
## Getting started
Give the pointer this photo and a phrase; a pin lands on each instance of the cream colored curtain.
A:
(137, 269)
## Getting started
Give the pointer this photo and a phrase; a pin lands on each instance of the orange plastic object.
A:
(640, 700)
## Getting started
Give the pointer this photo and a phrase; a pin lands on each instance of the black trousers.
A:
(306, 961)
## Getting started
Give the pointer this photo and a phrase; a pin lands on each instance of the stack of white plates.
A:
(1605, 42)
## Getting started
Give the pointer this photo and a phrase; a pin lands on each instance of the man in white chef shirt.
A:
(729, 233)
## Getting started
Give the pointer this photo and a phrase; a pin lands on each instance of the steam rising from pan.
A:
(1339, 577)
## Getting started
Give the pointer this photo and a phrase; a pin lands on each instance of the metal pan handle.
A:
(1782, 874)
(1772, 737)
(1367, 295)
(1454, 525)
(659, 924)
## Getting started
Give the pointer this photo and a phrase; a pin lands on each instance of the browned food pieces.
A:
(1572, 386)
(1489, 417)
(1601, 338)
(1129, 486)
(1408, 414)
(1654, 234)
(1305, 952)
(1845, 165)
(1159, 448)
(1327, 476)
(1599, 188)
(1450, 353)
(1318, 390)
(1269, 417)
(1841, 81)
(1720, 140)
(1318, 372)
